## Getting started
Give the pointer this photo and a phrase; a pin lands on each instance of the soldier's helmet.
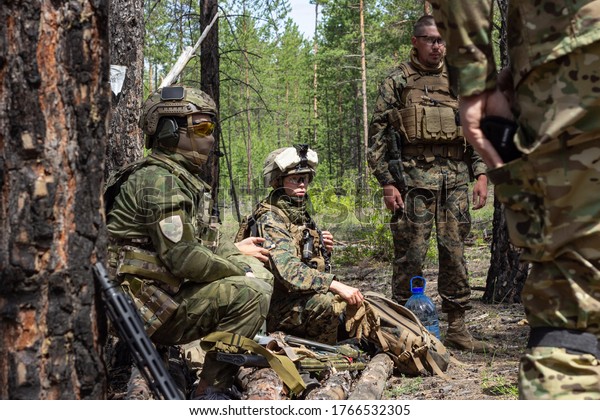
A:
(299, 159)
(173, 102)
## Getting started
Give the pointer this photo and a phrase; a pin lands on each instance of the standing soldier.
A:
(421, 160)
(549, 187)
(165, 248)
(307, 299)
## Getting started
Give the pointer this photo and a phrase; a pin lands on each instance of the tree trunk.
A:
(126, 51)
(506, 275)
(363, 64)
(315, 76)
(209, 62)
(54, 107)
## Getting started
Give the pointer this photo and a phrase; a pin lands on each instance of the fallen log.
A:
(372, 381)
(261, 384)
(335, 387)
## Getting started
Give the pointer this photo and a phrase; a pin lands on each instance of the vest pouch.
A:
(209, 237)
(154, 305)
(146, 264)
(411, 120)
(439, 124)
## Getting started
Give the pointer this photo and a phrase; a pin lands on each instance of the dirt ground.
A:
(477, 376)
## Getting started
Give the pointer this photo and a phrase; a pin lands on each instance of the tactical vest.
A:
(300, 234)
(134, 264)
(428, 111)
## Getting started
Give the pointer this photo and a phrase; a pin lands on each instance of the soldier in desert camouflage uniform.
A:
(307, 299)
(550, 193)
(165, 248)
(421, 160)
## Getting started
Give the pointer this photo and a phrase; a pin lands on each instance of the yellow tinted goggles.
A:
(202, 129)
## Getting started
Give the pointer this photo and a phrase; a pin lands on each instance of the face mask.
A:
(195, 148)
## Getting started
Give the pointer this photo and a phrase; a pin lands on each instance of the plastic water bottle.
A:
(424, 308)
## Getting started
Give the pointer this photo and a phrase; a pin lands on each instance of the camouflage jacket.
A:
(164, 186)
(434, 175)
(290, 271)
(538, 32)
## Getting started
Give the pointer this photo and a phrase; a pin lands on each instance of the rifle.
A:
(326, 252)
(324, 357)
(307, 364)
(395, 164)
(125, 318)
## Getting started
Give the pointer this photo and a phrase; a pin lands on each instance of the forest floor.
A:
(491, 376)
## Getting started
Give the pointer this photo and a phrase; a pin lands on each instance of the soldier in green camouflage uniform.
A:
(307, 299)
(165, 248)
(421, 160)
(550, 193)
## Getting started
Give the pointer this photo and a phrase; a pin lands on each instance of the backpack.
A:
(398, 332)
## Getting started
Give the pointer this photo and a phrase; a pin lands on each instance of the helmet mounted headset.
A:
(172, 107)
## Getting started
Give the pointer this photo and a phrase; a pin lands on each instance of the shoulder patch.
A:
(172, 228)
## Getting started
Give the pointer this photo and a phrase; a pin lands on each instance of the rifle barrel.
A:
(124, 316)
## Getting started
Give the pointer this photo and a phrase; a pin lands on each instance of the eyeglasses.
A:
(297, 180)
(203, 129)
(430, 40)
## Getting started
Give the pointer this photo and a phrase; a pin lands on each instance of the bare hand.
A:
(392, 198)
(472, 110)
(350, 294)
(480, 192)
(252, 246)
(327, 240)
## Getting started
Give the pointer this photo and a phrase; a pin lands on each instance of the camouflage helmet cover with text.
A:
(173, 101)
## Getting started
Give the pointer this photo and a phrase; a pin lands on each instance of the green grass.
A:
(497, 385)
(409, 386)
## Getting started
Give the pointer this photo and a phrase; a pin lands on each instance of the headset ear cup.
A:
(166, 132)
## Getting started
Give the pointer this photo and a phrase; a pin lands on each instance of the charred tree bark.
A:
(506, 275)
(126, 50)
(54, 79)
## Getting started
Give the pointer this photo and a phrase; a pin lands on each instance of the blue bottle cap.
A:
(417, 289)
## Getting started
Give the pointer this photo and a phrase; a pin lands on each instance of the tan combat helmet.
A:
(289, 161)
(175, 102)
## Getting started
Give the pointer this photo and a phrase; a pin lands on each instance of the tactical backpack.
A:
(399, 333)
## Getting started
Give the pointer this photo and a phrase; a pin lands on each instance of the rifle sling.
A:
(283, 366)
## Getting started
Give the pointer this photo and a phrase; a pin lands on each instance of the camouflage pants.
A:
(314, 316)
(411, 230)
(233, 304)
(552, 210)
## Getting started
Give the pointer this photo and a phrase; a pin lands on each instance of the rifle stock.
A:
(123, 315)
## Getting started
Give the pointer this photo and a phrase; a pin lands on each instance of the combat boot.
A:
(460, 338)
